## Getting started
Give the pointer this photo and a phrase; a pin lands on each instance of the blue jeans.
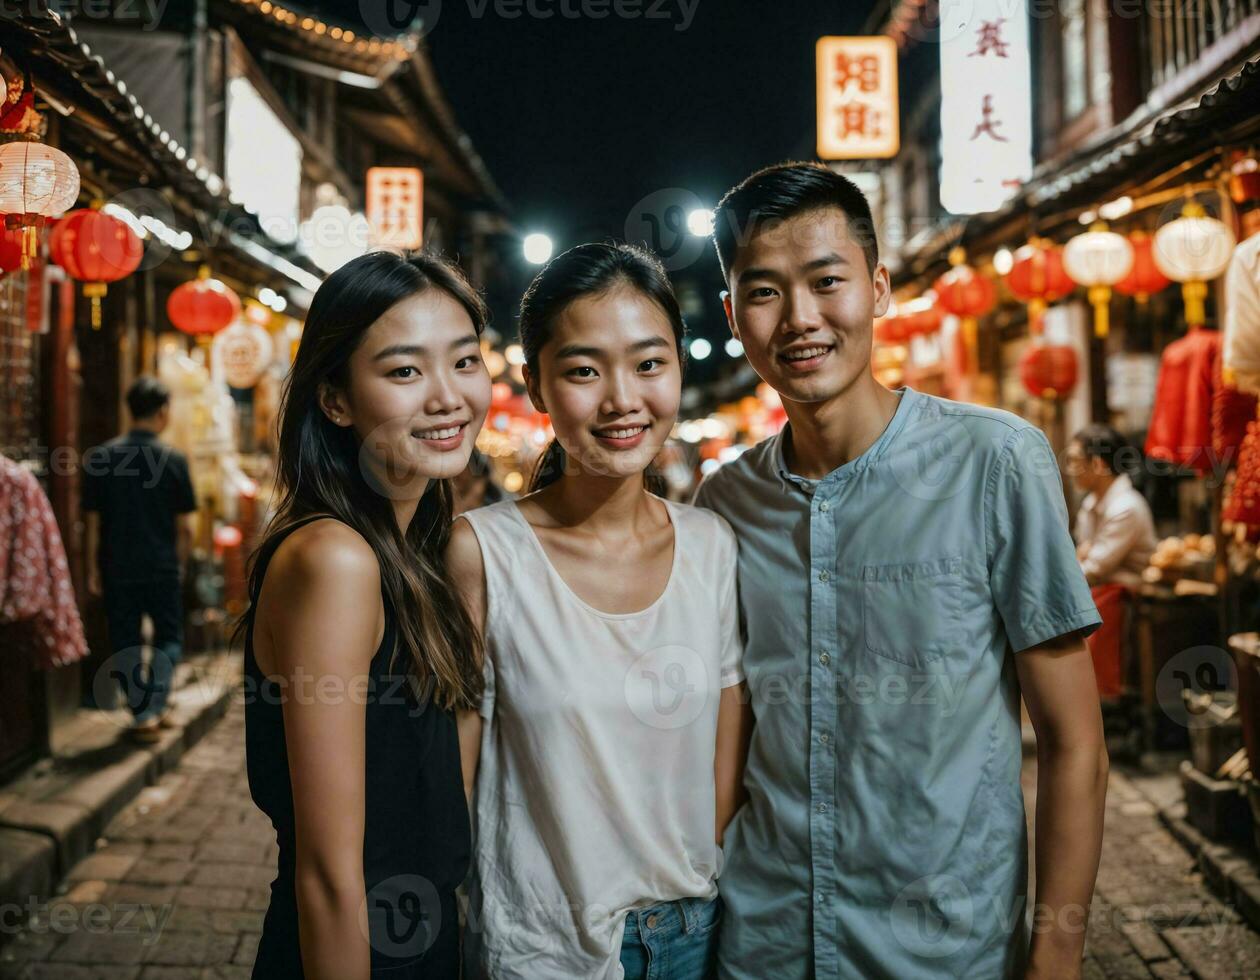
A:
(145, 687)
(672, 941)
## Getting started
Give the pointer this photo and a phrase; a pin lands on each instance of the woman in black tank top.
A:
(357, 652)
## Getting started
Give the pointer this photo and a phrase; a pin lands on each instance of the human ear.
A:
(334, 404)
(532, 389)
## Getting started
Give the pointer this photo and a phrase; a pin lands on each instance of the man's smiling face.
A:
(802, 301)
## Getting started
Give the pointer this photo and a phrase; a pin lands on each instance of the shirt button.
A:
(824, 738)
(822, 807)
(651, 922)
(819, 897)
(824, 576)
(824, 659)
(824, 507)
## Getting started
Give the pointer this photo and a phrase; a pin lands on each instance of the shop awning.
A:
(105, 119)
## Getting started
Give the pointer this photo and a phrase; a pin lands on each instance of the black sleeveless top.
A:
(416, 839)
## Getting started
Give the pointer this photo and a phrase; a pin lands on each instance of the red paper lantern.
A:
(892, 330)
(1144, 278)
(95, 248)
(203, 307)
(10, 249)
(923, 315)
(1037, 277)
(1048, 370)
(965, 293)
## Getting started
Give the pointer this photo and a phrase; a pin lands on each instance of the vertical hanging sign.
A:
(857, 98)
(986, 103)
(395, 206)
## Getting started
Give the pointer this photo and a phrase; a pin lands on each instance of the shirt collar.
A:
(905, 406)
(1120, 486)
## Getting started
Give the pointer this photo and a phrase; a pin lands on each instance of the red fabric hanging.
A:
(1181, 421)
(1242, 506)
(1231, 411)
(35, 586)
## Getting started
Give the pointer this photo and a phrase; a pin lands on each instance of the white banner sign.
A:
(986, 103)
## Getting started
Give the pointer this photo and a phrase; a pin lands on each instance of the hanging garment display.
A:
(35, 586)
(1181, 420)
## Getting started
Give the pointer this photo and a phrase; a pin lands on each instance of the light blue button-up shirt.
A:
(884, 836)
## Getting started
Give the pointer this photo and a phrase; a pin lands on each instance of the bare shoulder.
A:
(323, 570)
(325, 549)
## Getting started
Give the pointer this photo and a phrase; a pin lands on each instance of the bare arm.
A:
(1058, 684)
(467, 571)
(184, 537)
(734, 729)
(92, 532)
(321, 609)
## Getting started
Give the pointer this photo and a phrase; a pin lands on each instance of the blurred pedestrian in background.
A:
(137, 495)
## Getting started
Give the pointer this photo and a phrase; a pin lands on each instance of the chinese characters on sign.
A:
(857, 98)
(986, 103)
(395, 206)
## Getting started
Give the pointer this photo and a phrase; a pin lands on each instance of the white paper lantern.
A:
(1098, 259)
(37, 181)
(1192, 250)
(243, 351)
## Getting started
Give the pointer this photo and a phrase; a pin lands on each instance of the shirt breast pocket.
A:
(911, 611)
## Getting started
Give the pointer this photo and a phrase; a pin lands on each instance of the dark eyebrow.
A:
(575, 350)
(418, 350)
(831, 258)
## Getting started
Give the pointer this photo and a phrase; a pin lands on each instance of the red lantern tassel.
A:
(95, 290)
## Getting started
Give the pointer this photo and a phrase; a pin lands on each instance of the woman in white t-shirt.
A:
(613, 731)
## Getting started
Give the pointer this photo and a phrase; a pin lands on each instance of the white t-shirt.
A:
(595, 789)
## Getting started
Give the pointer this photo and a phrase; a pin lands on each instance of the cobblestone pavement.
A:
(178, 886)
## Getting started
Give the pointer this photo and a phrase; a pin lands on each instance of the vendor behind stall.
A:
(1115, 538)
(1115, 533)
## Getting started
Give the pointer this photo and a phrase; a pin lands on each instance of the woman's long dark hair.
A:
(319, 472)
(588, 270)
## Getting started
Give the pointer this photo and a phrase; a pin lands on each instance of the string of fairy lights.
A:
(401, 50)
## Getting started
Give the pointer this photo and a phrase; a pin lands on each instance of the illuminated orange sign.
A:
(395, 206)
(857, 98)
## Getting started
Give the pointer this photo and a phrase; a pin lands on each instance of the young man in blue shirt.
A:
(906, 573)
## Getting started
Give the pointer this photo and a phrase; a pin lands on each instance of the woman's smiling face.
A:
(610, 377)
(417, 393)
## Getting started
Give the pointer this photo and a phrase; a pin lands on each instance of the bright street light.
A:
(700, 222)
(537, 248)
(734, 348)
(701, 348)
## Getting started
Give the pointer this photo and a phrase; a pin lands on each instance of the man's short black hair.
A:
(785, 191)
(146, 397)
(1100, 441)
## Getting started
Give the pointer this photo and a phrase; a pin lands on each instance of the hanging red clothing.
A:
(35, 586)
(1181, 421)
(1232, 409)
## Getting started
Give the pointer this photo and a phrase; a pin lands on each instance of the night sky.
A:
(580, 119)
